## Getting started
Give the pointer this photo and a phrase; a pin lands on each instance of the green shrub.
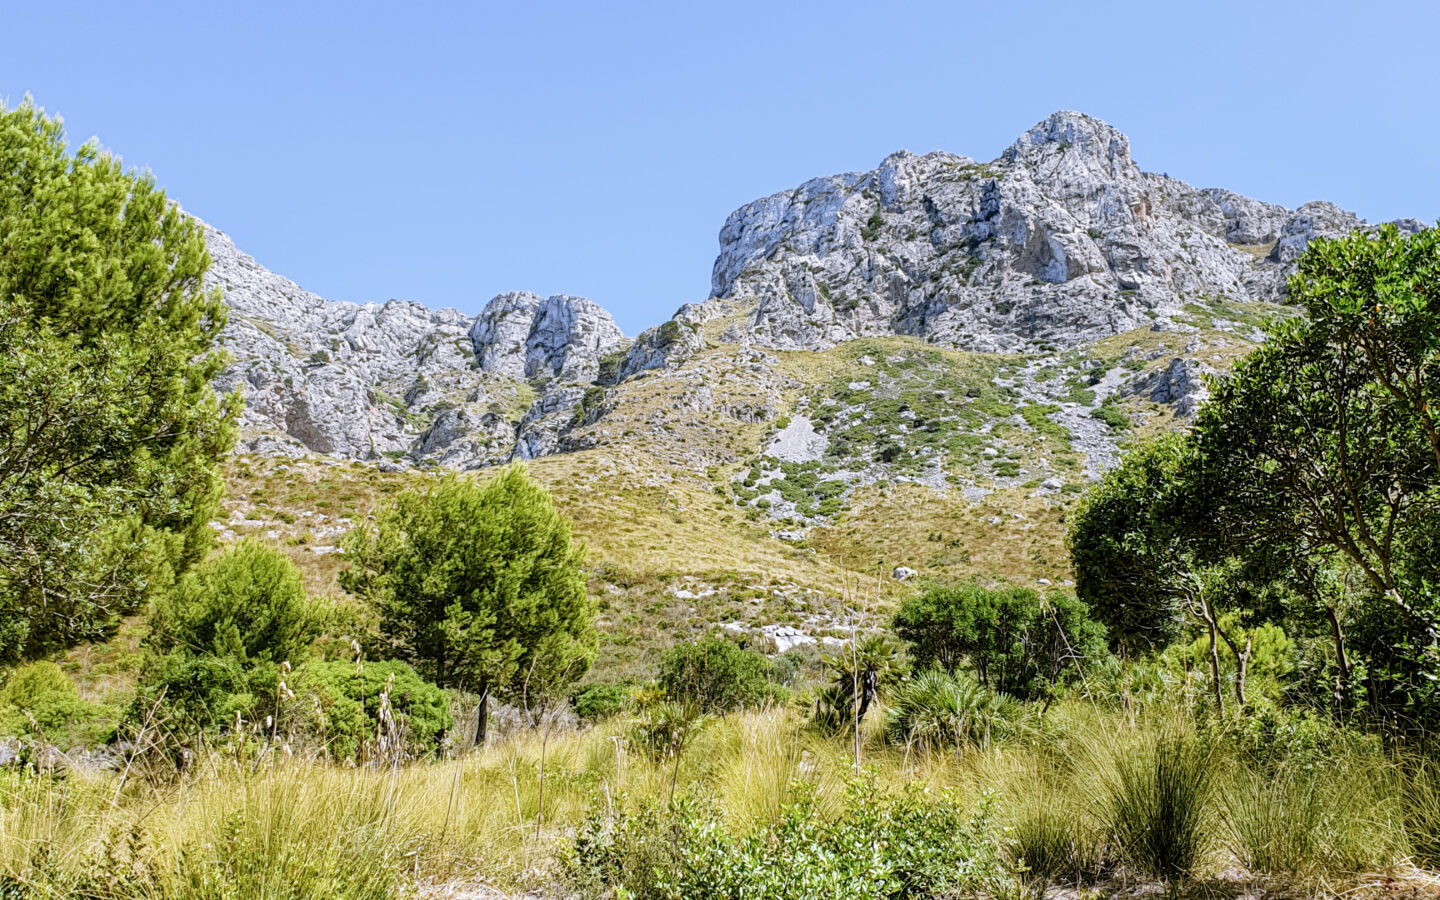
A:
(714, 675)
(871, 231)
(1156, 808)
(184, 697)
(246, 603)
(912, 845)
(1014, 639)
(338, 705)
(594, 702)
(938, 710)
(1111, 414)
(39, 700)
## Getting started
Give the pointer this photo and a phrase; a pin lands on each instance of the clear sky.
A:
(447, 152)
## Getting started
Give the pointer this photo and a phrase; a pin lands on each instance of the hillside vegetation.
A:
(822, 611)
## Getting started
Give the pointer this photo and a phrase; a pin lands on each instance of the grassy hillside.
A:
(932, 459)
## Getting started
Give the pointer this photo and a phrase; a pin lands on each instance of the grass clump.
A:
(1157, 804)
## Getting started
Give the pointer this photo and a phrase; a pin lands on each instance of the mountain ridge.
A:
(1059, 242)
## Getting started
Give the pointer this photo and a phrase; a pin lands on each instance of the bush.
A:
(914, 844)
(1014, 639)
(39, 700)
(714, 676)
(594, 702)
(246, 603)
(338, 706)
(1052, 844)
(938, 710)
(1157, 804)
(183, 697)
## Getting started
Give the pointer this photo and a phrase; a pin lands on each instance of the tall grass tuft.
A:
(1421, 800)
(1053, 844)
(1274, 821)
(1156, 810)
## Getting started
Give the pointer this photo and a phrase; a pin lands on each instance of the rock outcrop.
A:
(1060, 241)
(397, 379)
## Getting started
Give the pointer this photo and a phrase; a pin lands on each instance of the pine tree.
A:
(110, 434)
(479, 586)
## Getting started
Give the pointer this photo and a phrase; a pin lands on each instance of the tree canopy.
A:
(479, 586)
(111, 432)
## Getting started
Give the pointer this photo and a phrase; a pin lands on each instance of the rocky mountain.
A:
(1059, 243)
(398, 380)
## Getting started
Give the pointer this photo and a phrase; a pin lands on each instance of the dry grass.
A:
(480, 820)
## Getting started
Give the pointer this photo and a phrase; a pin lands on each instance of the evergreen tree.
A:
(110, 434)
(479, 586)
(246, 603)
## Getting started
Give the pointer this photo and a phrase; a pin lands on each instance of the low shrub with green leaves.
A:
(38, 700)
(337, 705)
(595, 702)
(715, 675)
(915, 844)
(937, 710)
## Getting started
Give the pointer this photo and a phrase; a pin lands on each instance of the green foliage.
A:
(911, 845)
(247, 602)
(938, 710)
(595, 702)
(479, 586)
(107, 350)
(610, 364)
(1129, 547)
(38, 700)
(590, 401)
(861, 672)
(1111, 414)
(338, 704)
(186, 697)
(1016, 640)
(714, 675)
(1323, 447)
(871, 231)
(1156, 805)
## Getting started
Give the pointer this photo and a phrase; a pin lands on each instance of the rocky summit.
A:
(1060, 242)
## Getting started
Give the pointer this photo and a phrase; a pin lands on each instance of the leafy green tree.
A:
(247, 603)
(111, 432)
(479, 586)
(1129, 542)
(714, 676)
(1324, 444)
(1014, 639)
(1148, 557)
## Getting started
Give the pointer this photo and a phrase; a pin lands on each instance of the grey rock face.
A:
(1180, 384)
(1061, 240)
(399, 379)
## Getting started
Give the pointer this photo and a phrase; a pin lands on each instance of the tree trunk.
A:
(1341, 658)
(869, 687)
(1214, 660)
(482, 715)
(1242, 661)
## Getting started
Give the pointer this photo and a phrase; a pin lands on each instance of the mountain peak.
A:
(1069, 129)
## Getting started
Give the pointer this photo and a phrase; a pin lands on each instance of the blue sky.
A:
(447, 152)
